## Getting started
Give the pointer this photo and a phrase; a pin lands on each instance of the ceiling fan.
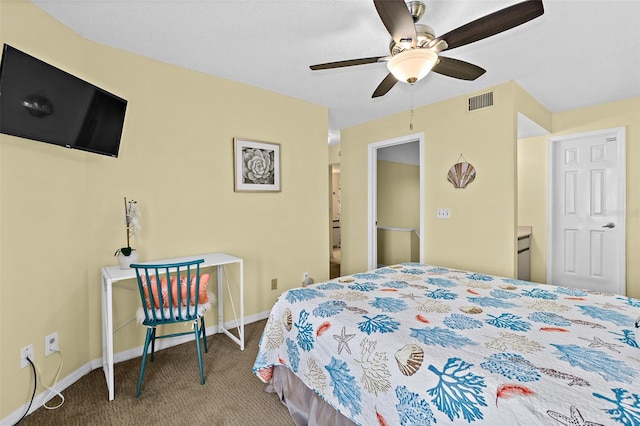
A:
(415, 49)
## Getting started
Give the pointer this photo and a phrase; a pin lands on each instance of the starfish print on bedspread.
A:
(576, 418)
(343, 340)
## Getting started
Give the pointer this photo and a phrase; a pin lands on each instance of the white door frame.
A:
(620, 133)
(372, 247)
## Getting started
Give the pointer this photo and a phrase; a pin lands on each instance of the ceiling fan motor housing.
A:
(425, 35)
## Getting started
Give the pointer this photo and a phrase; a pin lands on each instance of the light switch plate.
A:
(443, 214)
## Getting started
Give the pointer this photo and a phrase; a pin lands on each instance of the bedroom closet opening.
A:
(396, 217)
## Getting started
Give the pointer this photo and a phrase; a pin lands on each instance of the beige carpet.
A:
(172, 393)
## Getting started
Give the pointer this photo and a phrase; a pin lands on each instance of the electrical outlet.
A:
(51, 344)
(25, 352)
(305, 275)
(274, 284)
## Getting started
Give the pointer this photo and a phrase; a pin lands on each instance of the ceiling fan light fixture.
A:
(412, 65)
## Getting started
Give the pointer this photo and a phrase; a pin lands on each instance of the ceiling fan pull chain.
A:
(411, 113)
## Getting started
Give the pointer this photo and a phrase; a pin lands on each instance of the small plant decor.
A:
(132, 224)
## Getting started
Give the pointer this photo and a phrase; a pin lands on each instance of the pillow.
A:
(154, 291)
(164, 290)
(203, 297)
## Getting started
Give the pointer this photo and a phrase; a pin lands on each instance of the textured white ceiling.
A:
(578, 53)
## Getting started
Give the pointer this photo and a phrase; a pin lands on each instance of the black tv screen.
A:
(41, 102)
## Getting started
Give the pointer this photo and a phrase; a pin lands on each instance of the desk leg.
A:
(221, 328)
(241, 325)
(239, 321)
(107, 334)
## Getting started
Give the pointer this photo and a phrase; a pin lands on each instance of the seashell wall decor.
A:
(461, 174)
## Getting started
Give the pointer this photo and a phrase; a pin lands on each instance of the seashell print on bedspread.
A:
(416, 344)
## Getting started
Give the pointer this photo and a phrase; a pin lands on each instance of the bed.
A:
(415, 344)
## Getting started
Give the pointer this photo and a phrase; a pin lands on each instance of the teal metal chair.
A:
(172, 293)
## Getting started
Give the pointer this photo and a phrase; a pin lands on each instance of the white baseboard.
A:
(173, 341)
(39, 400)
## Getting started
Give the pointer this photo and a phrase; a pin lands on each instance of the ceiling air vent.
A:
(481, 101)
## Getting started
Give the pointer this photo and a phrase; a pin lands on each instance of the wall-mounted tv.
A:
(41, 102)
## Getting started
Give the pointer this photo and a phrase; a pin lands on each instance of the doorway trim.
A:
(372, 243)
(621, 135)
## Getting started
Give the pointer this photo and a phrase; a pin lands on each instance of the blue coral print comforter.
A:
(420, 345)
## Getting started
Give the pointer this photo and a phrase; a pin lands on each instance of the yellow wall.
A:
(60, 209)
(532, 163)
(398, 195)
(398, 207)
(397, 247)
(480, 235)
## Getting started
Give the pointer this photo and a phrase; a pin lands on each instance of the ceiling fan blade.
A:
(384, 86)
(457, 69)
(347, 63)
(492, 24)
(396, 18)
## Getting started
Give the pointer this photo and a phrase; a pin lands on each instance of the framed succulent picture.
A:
(256, 166)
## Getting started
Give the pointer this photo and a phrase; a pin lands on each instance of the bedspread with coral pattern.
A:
(415, 344)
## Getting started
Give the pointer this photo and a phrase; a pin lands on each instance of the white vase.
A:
(125, 261)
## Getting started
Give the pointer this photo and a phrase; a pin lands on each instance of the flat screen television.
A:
(41, 102)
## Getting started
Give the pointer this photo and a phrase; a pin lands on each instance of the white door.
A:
(587, 211)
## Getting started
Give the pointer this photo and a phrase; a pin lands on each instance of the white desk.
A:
(112, 274)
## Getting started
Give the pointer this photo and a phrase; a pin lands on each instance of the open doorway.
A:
(335, 235)
(400, 231)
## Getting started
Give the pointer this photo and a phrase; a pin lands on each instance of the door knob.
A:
(609, 225)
